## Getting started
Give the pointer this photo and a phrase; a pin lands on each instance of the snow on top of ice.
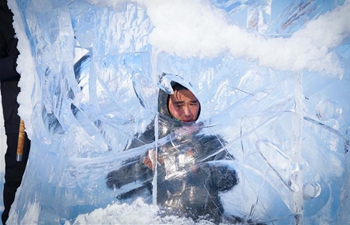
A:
(198, 29)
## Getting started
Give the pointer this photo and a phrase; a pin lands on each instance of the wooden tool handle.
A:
(20, 142)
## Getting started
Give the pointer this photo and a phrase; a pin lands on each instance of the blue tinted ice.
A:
(276, 89)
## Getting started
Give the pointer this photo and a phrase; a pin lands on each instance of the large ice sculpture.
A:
(276, 90)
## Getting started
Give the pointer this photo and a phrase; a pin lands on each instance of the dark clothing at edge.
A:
(9, 91)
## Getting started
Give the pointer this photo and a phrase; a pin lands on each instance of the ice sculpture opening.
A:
(275, 90)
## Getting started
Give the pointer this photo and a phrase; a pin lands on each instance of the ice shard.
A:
(277, 94)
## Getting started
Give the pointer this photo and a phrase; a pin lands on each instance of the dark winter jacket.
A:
(8, 74)
(187, 185)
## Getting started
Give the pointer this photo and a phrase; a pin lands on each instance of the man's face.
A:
(184, 106)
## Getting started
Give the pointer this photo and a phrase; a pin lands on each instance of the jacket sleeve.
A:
(8, 46)
(8, 68)
(220, 176)
(211, 148)
(131, 171)
(142, 139)
(216, 177)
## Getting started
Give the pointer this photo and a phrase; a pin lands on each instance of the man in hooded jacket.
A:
(188, 180)
(9, 91)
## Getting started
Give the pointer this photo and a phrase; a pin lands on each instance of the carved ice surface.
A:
(277, 90)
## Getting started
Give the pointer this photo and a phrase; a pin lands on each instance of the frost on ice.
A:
(275, 89)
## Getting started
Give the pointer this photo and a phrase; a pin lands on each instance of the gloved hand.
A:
(223, 177)
(131, 171)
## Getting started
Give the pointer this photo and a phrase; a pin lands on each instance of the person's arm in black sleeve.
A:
(132, 170)
(7, 68)
(142, 139)
(8, 46)
(211, 148)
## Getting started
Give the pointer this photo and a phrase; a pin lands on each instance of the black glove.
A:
(223, 178)
(134, 171)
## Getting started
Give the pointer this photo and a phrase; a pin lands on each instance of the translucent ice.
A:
(275, 90)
